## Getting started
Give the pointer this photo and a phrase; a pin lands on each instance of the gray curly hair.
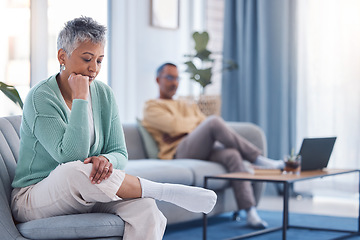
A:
(80, 30)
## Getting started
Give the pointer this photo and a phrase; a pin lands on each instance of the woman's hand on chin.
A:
(101, 169)
(79, 85)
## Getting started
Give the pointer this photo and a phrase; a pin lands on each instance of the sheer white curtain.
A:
(329, 76)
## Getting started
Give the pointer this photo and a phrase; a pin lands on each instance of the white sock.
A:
(254, 220)
(269, 163)
(194, 199)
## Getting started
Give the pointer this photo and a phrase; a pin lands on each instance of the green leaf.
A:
(201, 41)
(204, 73)
(11, 93)
(190, 67)
(202, 76)
(204, 55)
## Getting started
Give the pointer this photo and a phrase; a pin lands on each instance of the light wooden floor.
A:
(321, 205)
(327, 199)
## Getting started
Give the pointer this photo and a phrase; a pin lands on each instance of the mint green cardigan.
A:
(51, 134)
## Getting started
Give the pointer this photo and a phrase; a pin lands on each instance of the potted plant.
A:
(292, 163)
(200, 66)
(11, 93)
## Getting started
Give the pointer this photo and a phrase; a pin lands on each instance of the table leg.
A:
(359, 205)
(285, 210)
(204, 215)
(204, 226)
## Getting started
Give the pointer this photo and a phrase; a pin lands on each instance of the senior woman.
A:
(72, 147)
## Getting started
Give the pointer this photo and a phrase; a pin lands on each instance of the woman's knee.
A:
(73, 170)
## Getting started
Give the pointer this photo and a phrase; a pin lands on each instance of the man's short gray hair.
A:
(162, 66)
(80, 30)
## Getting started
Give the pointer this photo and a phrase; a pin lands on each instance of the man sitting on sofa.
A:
(181, 130)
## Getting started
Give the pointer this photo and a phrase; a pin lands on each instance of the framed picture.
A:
(165, 14)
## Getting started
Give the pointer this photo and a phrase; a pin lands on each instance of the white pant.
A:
(68, 190)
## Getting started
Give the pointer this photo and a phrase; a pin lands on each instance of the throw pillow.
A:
(151, 147)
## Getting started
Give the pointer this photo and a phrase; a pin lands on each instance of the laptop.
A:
(315, 152)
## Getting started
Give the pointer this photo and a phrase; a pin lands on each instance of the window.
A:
(15, 41)
(15, 51)
(329, 86)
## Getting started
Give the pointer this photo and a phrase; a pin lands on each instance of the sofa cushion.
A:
(151, 148)
(200, 169)
(160, 171)
(134, 144)
(77, 226)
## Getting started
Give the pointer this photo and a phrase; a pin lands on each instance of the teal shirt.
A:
(51, 134)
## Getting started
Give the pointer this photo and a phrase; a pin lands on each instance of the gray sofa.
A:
(108, 226)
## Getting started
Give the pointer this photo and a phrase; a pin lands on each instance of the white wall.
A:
(137, 49)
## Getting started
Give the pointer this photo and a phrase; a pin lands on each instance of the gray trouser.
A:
(200, 144)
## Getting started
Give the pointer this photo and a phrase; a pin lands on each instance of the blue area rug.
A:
(223, 227)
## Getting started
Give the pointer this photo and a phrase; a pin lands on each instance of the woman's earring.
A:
(62, 67)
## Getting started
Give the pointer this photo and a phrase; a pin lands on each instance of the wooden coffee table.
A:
(276, 176)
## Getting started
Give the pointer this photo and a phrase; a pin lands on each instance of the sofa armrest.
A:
(252, 133)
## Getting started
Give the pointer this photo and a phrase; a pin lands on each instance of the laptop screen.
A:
(316, 152)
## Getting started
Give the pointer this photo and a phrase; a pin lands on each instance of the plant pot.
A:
(208, 104)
